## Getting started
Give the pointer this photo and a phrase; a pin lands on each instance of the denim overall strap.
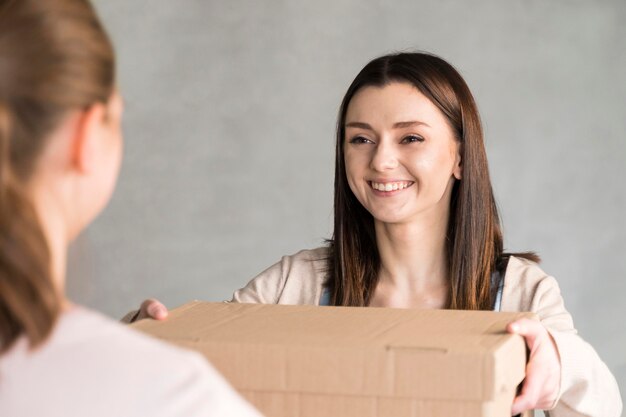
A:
(325, 298)
(497, 279)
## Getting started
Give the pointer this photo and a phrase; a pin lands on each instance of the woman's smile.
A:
(388, 188)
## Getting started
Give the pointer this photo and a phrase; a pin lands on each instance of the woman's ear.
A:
(458, 167)
(87, 137)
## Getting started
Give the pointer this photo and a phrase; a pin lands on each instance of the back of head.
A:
(55, 57)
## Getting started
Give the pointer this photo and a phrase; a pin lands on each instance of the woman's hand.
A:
(151, 309)
(543, 371)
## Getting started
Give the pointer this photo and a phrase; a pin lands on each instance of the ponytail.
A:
(56, 58)
(29, 303)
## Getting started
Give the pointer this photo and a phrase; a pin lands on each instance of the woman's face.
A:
(400, 153)
(105, 161)
(112, 145)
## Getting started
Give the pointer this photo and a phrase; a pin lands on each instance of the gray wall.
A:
(230, 112)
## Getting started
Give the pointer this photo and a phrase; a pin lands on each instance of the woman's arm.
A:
(586, 386)
(265, 288)
(295, 279)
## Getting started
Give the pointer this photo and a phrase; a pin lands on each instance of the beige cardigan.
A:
(587, 386)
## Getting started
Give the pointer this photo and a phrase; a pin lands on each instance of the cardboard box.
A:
(310, 361)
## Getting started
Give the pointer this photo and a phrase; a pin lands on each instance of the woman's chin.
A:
(390, 218)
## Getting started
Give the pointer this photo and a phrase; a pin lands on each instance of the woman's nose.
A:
(384, 157)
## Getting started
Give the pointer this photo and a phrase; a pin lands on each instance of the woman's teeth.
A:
(391, 186)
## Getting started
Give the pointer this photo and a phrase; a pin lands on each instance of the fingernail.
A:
(515, 327)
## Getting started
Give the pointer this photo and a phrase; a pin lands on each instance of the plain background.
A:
(229, 125)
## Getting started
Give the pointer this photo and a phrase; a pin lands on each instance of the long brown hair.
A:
(54, 57)
(474, 236)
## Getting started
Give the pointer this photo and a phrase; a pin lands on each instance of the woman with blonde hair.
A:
(60, 151)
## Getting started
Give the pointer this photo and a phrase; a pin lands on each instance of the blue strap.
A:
(497, 279)
(325, 298)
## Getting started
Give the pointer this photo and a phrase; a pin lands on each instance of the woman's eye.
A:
(412, 139)
(360, 139)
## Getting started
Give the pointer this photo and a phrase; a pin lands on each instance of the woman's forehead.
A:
(391, 104)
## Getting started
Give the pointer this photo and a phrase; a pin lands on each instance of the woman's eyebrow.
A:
(410, 123)
(398, 125)
(360, 125)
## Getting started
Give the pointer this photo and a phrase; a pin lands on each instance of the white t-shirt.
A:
(92, 366)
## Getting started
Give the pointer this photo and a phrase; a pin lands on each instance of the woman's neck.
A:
(53, 226)
(414, 263)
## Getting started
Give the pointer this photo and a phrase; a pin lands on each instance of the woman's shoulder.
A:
(524, 280)
(307, 258)
(295, 279)
(83, 331)
(143, 374)
(167, 379)
(125, 354)
(520, 267)
(528, 288)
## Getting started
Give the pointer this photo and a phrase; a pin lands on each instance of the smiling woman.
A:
(412, 117)
(416, 226)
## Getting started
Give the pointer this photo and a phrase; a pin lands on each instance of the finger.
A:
(530, 393)
(531, 330)
(157, 310)
(520, 404)
(153, 309)
(529, 397)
